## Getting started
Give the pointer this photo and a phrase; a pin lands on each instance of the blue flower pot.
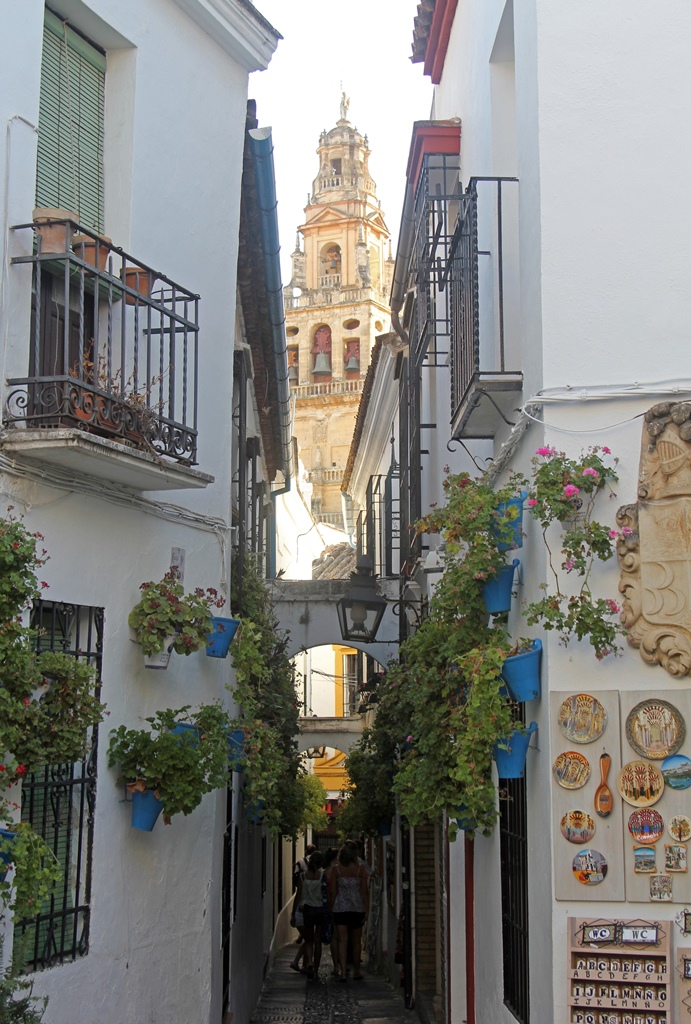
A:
(464, 820)
(521, 673)
(384, 828)
(236, 749)
(5, 855)
(255, 811)
(191, 732)
(513, 532)
(497, 592)
(146, 808)
(511, 762)
(218, 642)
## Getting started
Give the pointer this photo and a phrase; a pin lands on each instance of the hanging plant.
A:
(166, 611)
(264, 690)
(563, 496)
(179, 768)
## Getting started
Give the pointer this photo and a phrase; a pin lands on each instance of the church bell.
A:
(322, 363)
(353, 363)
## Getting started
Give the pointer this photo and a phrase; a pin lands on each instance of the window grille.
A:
(58, 801)
(513, 837)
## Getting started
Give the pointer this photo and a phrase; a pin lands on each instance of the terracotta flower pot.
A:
(54, 237)
(84, 247)
(139, 280)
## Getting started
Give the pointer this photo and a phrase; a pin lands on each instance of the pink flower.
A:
(612, 605)
(570, 564)
(547, 451)
(627, 531)
(607, 451)
(613, 534)
(409, 739)
(589, 471)
(532, 501)
(27, 701)
(570, 491)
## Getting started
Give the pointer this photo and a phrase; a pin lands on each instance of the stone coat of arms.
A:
(654, 549)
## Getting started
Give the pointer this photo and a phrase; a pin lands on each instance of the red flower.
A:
(44, 584)
(21, 769)
(2, 767)
(15, 545)
(27, 701)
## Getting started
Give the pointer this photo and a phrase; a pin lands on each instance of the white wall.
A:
(600, 98)
(174, 98)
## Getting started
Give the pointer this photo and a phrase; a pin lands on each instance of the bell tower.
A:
(336, 304)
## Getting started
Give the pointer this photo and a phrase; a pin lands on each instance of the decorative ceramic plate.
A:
(582, 718)
(646, 826)
(679, 827)
(589, 867)
(577, 827)
(676, 771)
(655, 729)
(571, 769)
(640, 783)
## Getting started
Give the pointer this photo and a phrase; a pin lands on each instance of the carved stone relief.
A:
(654, 548)
(320, 431)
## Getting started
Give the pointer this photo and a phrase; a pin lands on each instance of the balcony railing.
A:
(113, 347)
(330, 281)
(333, 387)
(482, 278)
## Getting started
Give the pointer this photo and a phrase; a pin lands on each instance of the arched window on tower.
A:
(293, 365)
(330, 270)
(321, 350)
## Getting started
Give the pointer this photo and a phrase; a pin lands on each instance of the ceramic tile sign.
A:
(655, 782)
(587, 811)
(619, 971)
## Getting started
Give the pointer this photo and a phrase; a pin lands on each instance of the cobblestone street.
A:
(288, 998)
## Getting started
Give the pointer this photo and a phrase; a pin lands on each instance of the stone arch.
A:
(330, 260)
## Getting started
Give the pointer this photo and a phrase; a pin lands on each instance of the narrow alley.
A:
(287, 998)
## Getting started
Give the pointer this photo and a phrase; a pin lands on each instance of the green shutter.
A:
(70, 124)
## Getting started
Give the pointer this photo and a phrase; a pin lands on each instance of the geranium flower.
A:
(607, 451)
(570, 564)
(589, 471)
(546, 451)
(613, 534)
(570, 491)
(532, 501)
(409, 739)
(627, 531)
(612, 605)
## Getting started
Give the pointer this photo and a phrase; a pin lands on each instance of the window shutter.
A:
(70, 124)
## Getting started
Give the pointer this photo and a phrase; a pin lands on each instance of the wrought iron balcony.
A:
(113, 347)
(378, 527)
(481, 276)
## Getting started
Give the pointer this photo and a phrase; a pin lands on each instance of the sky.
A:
(366, 45)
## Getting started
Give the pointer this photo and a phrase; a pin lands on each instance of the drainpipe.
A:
(401, 268)
(261, 148)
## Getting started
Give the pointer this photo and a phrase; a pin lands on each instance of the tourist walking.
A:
(350, 907)
(308, 899)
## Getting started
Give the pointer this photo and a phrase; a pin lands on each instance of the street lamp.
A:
(361, 610)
